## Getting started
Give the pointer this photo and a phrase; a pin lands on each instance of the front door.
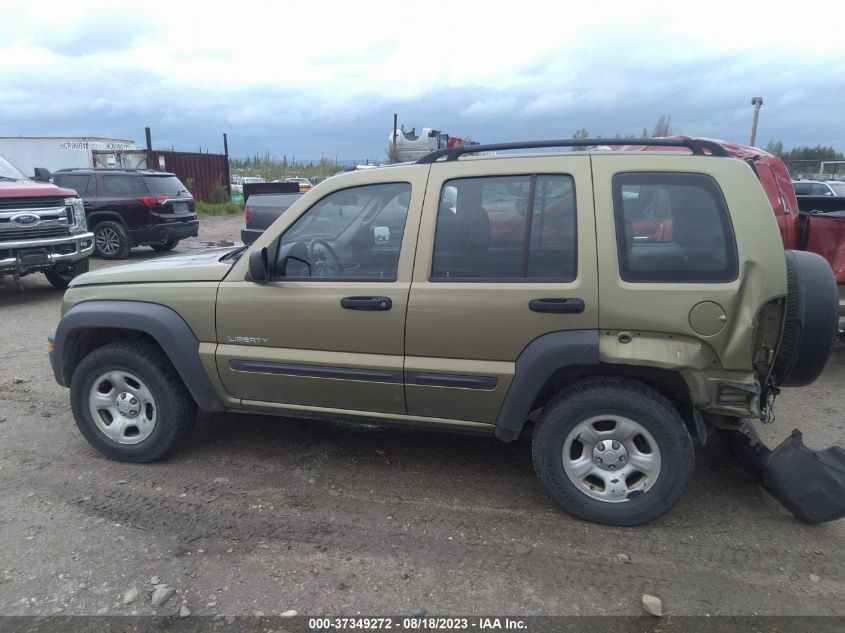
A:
(328, 331)
(507, 253)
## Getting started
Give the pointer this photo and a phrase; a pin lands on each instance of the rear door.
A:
(122, 193)
(506, 254)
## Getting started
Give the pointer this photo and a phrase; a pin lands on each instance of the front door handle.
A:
(366, 303)
(560, 306)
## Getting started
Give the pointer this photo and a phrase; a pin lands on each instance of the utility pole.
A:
(392, 154)
(757, 102)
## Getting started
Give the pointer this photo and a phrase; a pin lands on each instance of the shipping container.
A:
(58, 152)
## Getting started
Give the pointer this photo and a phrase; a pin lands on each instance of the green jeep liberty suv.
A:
(620, 301)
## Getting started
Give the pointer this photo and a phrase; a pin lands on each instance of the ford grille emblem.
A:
(25, 219)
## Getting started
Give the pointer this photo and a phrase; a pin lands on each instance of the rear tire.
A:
(169, 245)
(142, 407)
(635, 429)
(111, 241)
(60, 279)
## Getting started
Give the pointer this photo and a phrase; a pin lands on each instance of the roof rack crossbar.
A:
(696, 146)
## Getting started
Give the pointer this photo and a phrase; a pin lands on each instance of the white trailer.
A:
(57, 152)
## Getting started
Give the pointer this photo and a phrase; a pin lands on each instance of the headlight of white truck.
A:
(80, 224)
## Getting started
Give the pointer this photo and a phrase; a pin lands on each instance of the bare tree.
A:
(663, 127)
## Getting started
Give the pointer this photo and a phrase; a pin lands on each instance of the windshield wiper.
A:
(234, 254)
(9, 178)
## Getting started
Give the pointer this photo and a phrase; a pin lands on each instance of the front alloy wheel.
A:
(122, 407)
(129, 401)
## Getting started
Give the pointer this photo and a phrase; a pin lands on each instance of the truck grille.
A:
(9, 204)
(10, 235)
(49, 222)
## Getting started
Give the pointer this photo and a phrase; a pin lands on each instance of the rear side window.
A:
(673, 227)
(164, 185)
(802, 189)
(124, 185)
(506, 228)
(80, 184)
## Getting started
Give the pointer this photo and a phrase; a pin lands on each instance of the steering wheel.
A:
(317, 250)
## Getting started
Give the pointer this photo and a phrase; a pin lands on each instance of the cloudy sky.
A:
(307, 79)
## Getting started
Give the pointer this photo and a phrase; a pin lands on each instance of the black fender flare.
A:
(535, 365)
(163, 324)
(105, 215)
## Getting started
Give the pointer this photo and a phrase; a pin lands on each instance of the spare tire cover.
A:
(811, 323)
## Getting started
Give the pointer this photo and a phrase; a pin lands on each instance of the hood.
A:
(202, 265)
(32, 189)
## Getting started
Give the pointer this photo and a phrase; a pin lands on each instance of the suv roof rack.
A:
(696, 146)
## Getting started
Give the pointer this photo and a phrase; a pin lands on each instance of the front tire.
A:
(612, 451)
(111, 241)
(129, 402)
(60, 278)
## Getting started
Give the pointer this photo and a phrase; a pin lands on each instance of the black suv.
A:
(127, 207)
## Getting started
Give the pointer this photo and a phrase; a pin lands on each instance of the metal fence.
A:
(199, 172)
(816, 169)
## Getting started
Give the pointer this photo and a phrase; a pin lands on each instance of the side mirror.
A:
(381, 234)
(42, 174)
(259, 266)
(300, 271)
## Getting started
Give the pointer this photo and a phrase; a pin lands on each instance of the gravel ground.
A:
(269, 514)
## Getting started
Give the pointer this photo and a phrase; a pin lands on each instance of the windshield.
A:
(9, 171)
(838, 188)
(164, 185)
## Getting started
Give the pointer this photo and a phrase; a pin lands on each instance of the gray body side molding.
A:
(535, 365)
(160, 322)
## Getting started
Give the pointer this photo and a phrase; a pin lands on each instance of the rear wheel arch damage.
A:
(542, 372)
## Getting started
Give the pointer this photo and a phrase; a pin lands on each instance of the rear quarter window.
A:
(164, 185)
(673, 227)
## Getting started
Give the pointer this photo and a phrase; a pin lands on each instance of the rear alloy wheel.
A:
(60, 278)
(613, 451)
(167, 245)
(111, 240)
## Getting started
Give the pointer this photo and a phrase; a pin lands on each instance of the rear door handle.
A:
(366, 303)
(560, 306)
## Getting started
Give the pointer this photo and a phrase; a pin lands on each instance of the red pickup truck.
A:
(42, 229)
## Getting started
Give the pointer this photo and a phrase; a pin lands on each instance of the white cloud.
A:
(492, 68)
(490, 108)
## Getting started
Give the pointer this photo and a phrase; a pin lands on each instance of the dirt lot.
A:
(265, 514)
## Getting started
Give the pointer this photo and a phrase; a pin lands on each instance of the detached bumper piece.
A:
(810, 484)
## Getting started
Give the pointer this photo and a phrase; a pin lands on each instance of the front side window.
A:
(80, 184)
(673, 227)
(353, 234)
(507, 228)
